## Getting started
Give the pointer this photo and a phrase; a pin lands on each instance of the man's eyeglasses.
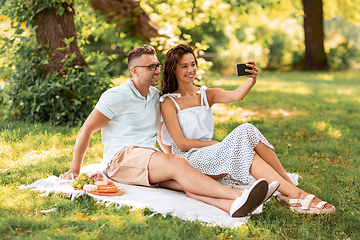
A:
(153, 67)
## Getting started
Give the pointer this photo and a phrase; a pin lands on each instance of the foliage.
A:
(346, 9)
(62, 98)
(343, 56)
(227, 30)
(97, 34)
(342, 43)
(307, 117)
(28, 94)
(267, 31)
(59, 99)
(23, 11)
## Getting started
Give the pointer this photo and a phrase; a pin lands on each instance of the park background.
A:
(57, 57)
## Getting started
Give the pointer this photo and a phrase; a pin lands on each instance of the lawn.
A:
(311, 118)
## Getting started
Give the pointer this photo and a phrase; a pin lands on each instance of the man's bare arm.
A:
(93, 123)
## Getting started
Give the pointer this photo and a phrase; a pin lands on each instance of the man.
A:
(129, 117)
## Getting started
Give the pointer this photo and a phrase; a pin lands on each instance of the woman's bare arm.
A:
(168, 111)
(219, 95)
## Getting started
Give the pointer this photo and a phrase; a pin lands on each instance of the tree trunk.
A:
(52, 30)
(128, 13)
(315, 58)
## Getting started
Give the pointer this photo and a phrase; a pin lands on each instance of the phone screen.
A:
(240, 69)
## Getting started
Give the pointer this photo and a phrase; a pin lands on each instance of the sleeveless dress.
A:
(233, 155)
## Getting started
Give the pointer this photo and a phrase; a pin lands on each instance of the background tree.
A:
(48, 79)
(315, 58)
(56, 32)
(128, 14)
(54, 27)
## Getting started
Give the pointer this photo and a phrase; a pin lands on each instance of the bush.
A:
(59, 99)
(32, 94)
(343, 56)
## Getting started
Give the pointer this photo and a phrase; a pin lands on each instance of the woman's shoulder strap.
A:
(172, 96)
(204, 97)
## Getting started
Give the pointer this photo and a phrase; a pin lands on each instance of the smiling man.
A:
(129, 117)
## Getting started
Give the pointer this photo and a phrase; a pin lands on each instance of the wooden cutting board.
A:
(120, 192)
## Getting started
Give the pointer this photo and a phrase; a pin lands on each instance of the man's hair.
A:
(139, 51)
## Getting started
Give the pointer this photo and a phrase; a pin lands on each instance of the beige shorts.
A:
(131, 166)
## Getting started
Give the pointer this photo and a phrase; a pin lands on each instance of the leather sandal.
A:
(283, 198)
(306, 208)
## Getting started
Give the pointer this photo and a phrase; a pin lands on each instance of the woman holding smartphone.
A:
(189, 124)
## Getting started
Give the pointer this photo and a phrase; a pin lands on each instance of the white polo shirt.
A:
(134, 119)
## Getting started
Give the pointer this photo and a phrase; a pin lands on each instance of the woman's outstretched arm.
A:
(219, 95)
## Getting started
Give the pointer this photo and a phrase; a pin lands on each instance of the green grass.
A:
(311, 118)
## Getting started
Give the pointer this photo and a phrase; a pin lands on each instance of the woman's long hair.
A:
(168, 79)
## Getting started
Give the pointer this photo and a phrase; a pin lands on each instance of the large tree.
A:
(138, 22)
(47, 77)
(315, 58)
(53, 28)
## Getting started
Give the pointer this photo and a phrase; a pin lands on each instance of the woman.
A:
(189, 124)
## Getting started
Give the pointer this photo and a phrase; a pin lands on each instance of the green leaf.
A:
(68, 40)
(19, 31)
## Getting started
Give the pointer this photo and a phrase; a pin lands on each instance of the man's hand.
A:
(69, 175)
(93, 123)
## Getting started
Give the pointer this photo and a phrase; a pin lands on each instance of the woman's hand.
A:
(253, 72)
(219, 95)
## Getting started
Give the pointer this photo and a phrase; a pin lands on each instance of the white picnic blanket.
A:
(158, 200)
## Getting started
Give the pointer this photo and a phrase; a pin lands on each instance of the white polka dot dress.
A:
(233, 155)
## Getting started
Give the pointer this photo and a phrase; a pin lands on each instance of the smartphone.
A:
(240, 69)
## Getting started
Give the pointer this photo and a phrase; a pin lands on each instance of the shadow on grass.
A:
(16, 130)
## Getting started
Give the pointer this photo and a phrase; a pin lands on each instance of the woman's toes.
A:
(328, 205)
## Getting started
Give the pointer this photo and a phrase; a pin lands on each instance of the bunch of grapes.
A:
(81, 180)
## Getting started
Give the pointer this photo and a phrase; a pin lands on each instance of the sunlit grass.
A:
(311, 118)
(312, 121)
(224, 113)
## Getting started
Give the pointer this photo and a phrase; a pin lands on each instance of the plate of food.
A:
(96, 184)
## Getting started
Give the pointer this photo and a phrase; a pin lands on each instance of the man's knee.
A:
(177, 160)
(168, 161)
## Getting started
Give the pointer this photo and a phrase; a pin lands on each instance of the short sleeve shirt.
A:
(134, 119)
